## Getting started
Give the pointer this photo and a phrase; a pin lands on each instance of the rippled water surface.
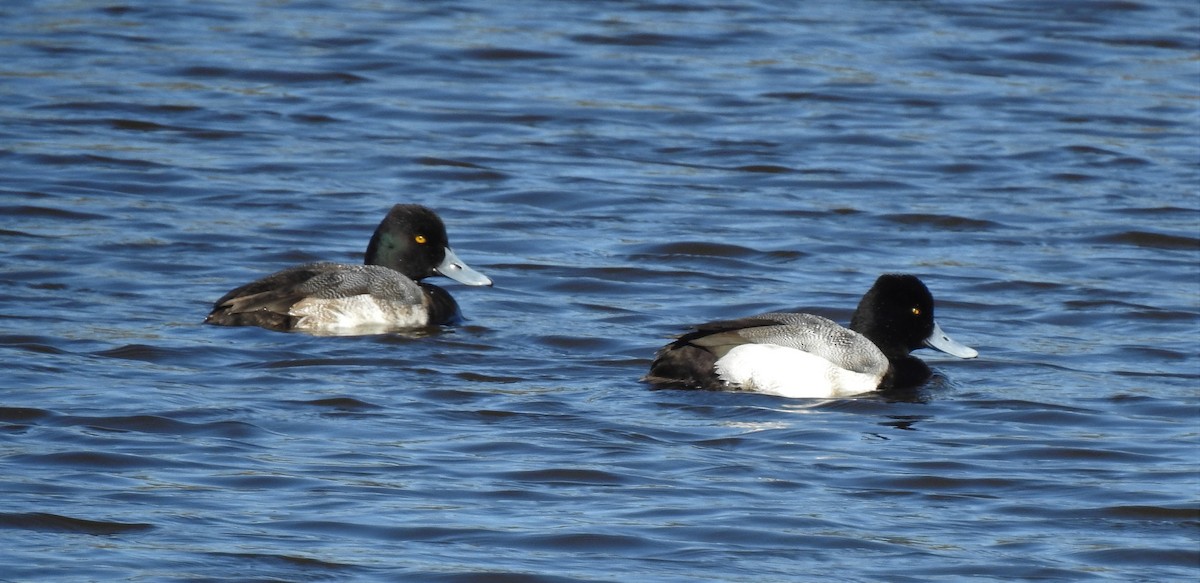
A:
(621, 170)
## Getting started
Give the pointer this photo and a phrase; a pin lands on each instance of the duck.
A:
(383, 294)
(805, 356)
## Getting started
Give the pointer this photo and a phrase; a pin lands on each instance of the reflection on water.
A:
(621, 171)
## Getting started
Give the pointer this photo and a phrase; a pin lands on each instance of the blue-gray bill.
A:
(459, 271)
(939, 340)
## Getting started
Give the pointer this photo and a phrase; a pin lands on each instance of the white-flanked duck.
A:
(806, 356)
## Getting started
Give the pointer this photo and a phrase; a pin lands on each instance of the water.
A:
(621, 169)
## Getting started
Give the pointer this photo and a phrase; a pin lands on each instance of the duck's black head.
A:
(412, 240)
(896, 314)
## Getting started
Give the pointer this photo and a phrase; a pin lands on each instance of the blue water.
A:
(621, 170)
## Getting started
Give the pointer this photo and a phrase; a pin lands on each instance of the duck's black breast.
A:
(440, 305)
(906, 372)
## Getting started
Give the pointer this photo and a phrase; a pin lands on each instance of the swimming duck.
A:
(384, 294)
(806, 356)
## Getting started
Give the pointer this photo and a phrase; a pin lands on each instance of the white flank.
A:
(361, 314)
(788, 372)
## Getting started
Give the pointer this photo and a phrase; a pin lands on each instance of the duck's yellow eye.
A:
(419, 239)
(916, 311)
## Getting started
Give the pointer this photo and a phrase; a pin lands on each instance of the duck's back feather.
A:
(692, 360)
(809, 333)
(307, 293)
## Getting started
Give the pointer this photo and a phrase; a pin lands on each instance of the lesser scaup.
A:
(384, 294)
(807, 356)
